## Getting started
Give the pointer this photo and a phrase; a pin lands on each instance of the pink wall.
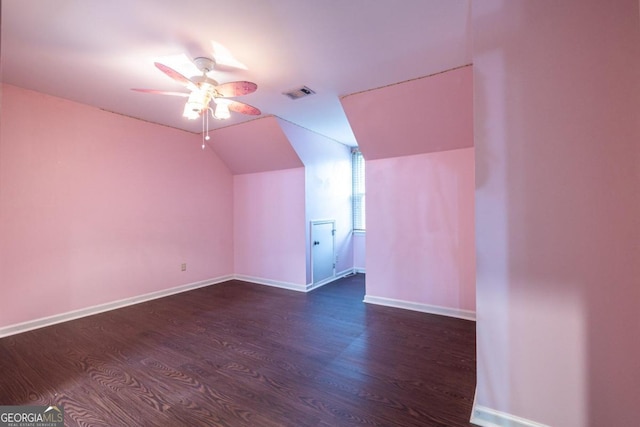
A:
(420, 231)
(269, 226)
(96, 207)
(327, 189)
(415, 137)
(557, 128)
(430, 114)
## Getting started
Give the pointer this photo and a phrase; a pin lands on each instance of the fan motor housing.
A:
(204, 64)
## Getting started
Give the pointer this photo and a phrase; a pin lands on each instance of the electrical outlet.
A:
(183, 267)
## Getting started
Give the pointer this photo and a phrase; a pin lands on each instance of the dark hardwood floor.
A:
(240, 354)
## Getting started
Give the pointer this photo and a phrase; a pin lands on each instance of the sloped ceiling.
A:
(256, 146)
(425, 115)
(94, 51)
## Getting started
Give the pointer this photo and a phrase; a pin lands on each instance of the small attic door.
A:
(323, 251)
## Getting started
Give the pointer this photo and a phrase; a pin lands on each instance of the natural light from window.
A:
(359, 222)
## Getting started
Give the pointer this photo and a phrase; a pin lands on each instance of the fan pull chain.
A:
(203, 119)
(207, 136)
(205, 127)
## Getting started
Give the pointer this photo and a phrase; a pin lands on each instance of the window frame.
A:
(358, 194)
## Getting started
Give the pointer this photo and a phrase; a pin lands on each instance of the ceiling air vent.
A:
(298, 93)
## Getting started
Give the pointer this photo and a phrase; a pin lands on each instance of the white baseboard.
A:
(360, 270)
(425, 308)
(340, 275)
(292, 286)
(100, 308)
(487, 417)
(269, 282)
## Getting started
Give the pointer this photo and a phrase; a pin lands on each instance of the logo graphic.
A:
(31, 416)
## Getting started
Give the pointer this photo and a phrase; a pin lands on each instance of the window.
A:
(358, 191)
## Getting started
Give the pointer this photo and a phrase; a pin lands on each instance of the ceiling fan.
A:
(204, 90)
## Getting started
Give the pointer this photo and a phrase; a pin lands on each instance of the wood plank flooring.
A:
(240, 354)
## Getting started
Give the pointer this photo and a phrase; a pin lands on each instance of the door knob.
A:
(315, 243)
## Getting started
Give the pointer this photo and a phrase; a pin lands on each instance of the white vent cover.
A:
(298, 93)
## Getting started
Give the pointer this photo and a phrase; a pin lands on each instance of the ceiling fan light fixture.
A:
(198, 101)
(222, 109)
(205, 89)
(192, 111)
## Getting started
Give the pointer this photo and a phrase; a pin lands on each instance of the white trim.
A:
(42, 322)
(322, 221)
(360, 270)
(269, 282)
(100, 308)
(344, 273)
(487, 417)
(292, 286)
(425, 308)
(333, 250)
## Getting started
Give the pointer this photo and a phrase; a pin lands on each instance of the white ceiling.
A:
(94, 51)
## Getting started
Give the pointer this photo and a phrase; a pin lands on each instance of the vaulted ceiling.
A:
(95, 51)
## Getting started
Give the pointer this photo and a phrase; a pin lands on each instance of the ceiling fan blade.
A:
(241, 107)
(162, 92)
(225, 61)
(176, 76)
(232, 89)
